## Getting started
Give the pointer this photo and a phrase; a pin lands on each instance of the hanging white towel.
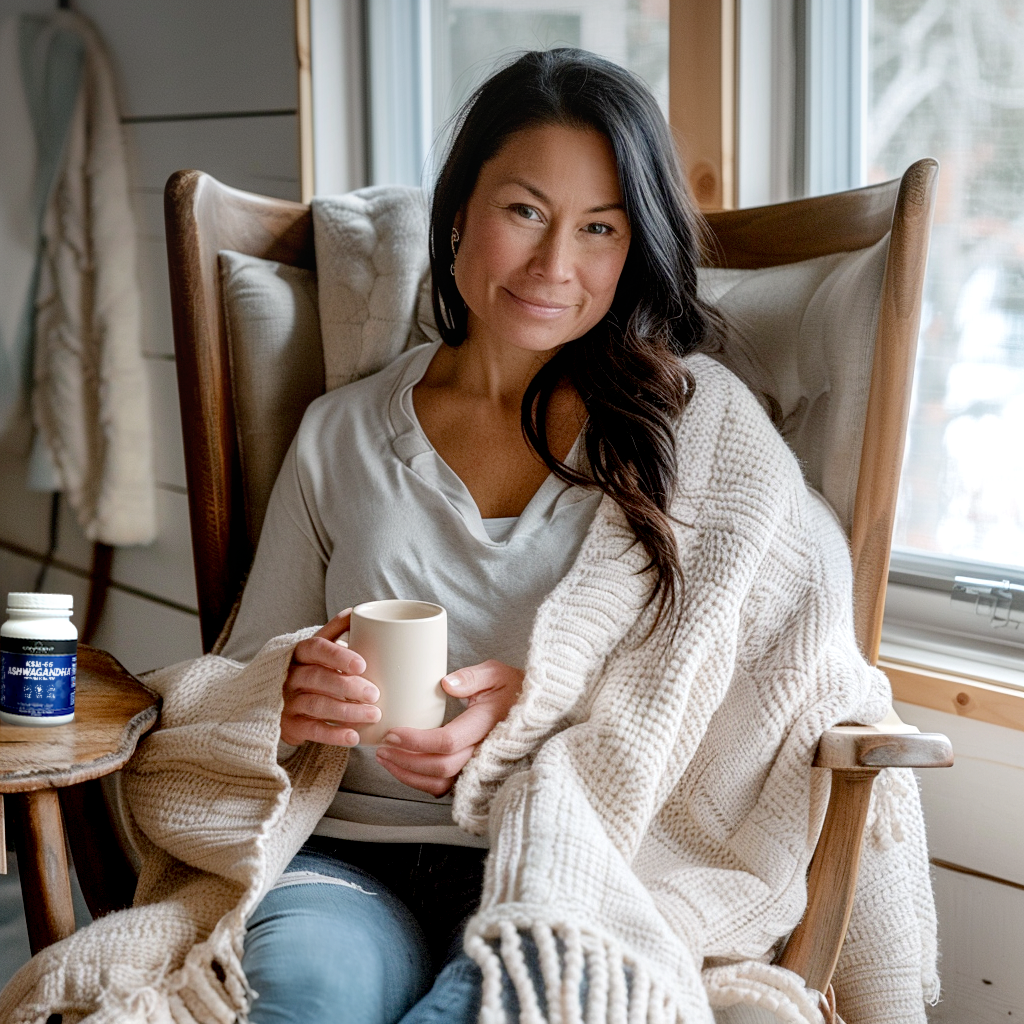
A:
(90, 402)
(40, 78)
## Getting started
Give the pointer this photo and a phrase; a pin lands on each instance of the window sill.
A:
(956, 694)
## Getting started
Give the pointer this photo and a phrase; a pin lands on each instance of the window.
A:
(881, 83)
(427, 56)
(946, 79)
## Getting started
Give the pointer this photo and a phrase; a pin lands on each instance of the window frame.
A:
(828, 146)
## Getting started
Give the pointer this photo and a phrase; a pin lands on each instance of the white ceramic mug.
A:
(405, 647)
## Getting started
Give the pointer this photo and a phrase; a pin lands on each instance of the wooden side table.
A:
(45, 768)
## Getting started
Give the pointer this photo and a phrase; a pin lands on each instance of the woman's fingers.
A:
(322, 706)
(466, 730)
(297, 730)
(431, 766)
(319, 650)
(331, 709)
(330, 683)
(474, 679)
(431, 759)
(318, 709)
(324, 693)
(324, 719)
(333, 629)
(325, 648)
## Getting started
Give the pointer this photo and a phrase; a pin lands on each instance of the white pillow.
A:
(803, 334)
(371, 256)
(277, 366)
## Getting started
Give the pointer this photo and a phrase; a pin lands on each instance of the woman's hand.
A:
(431, 759)
(324, 694)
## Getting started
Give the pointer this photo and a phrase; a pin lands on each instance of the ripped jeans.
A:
(332, 943)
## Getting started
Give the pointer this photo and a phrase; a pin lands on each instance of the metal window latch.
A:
(1000, 601)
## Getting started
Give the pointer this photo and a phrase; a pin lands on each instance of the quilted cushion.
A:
(277, 365)
(371, 246)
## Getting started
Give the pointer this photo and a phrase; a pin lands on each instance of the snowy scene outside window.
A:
(946, 79)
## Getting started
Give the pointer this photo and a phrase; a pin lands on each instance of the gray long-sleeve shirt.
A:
(365, 509)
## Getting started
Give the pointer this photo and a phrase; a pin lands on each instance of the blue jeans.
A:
(345, 949)
(342, 948)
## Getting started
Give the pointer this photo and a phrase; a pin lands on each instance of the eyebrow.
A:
(533, 190)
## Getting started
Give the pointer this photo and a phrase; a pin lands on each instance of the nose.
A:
(553, 258)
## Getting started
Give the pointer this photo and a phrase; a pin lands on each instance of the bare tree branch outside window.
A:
(947, 80)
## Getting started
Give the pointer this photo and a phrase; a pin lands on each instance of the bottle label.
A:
(37, 677)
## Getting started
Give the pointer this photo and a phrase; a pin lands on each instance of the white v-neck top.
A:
(365, 509)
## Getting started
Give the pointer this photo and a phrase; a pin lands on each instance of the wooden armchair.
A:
(204, 217)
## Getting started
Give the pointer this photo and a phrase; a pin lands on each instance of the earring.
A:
(455, 249)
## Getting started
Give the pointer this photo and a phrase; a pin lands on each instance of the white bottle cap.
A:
(40, 602)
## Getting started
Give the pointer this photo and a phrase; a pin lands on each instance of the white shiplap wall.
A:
(203, 85)
(975, 818)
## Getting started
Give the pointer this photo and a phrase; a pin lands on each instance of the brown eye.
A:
(524, 211)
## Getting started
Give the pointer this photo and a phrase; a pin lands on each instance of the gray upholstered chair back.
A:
(801, 335)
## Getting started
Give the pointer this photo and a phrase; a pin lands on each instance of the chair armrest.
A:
(871, 747)
(855, 754)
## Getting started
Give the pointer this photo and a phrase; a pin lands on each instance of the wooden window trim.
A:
(303, 50)
(703, 93)
(702, 97)
(955, 694)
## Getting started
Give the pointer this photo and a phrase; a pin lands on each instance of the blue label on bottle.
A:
(37, 677)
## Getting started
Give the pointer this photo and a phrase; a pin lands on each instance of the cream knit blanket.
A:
(650, 805)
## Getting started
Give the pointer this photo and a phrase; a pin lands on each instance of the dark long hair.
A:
(627, 369)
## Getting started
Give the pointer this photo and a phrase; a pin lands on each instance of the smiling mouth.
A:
(542, 309)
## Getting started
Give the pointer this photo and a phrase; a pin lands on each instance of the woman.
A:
(564, 257)
(651, 619)
(558, 322)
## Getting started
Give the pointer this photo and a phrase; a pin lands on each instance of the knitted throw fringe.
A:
(883, 825)
(208, 988)
(619, 992)
(780, 992)
(610, 999)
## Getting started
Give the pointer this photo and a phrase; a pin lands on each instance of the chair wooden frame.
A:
(204, 216)
(769, 236)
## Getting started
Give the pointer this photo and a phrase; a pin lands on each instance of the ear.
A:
(460, 219)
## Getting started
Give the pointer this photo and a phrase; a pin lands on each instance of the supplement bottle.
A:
(38, 659)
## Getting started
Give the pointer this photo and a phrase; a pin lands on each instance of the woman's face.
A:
(544, 237)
